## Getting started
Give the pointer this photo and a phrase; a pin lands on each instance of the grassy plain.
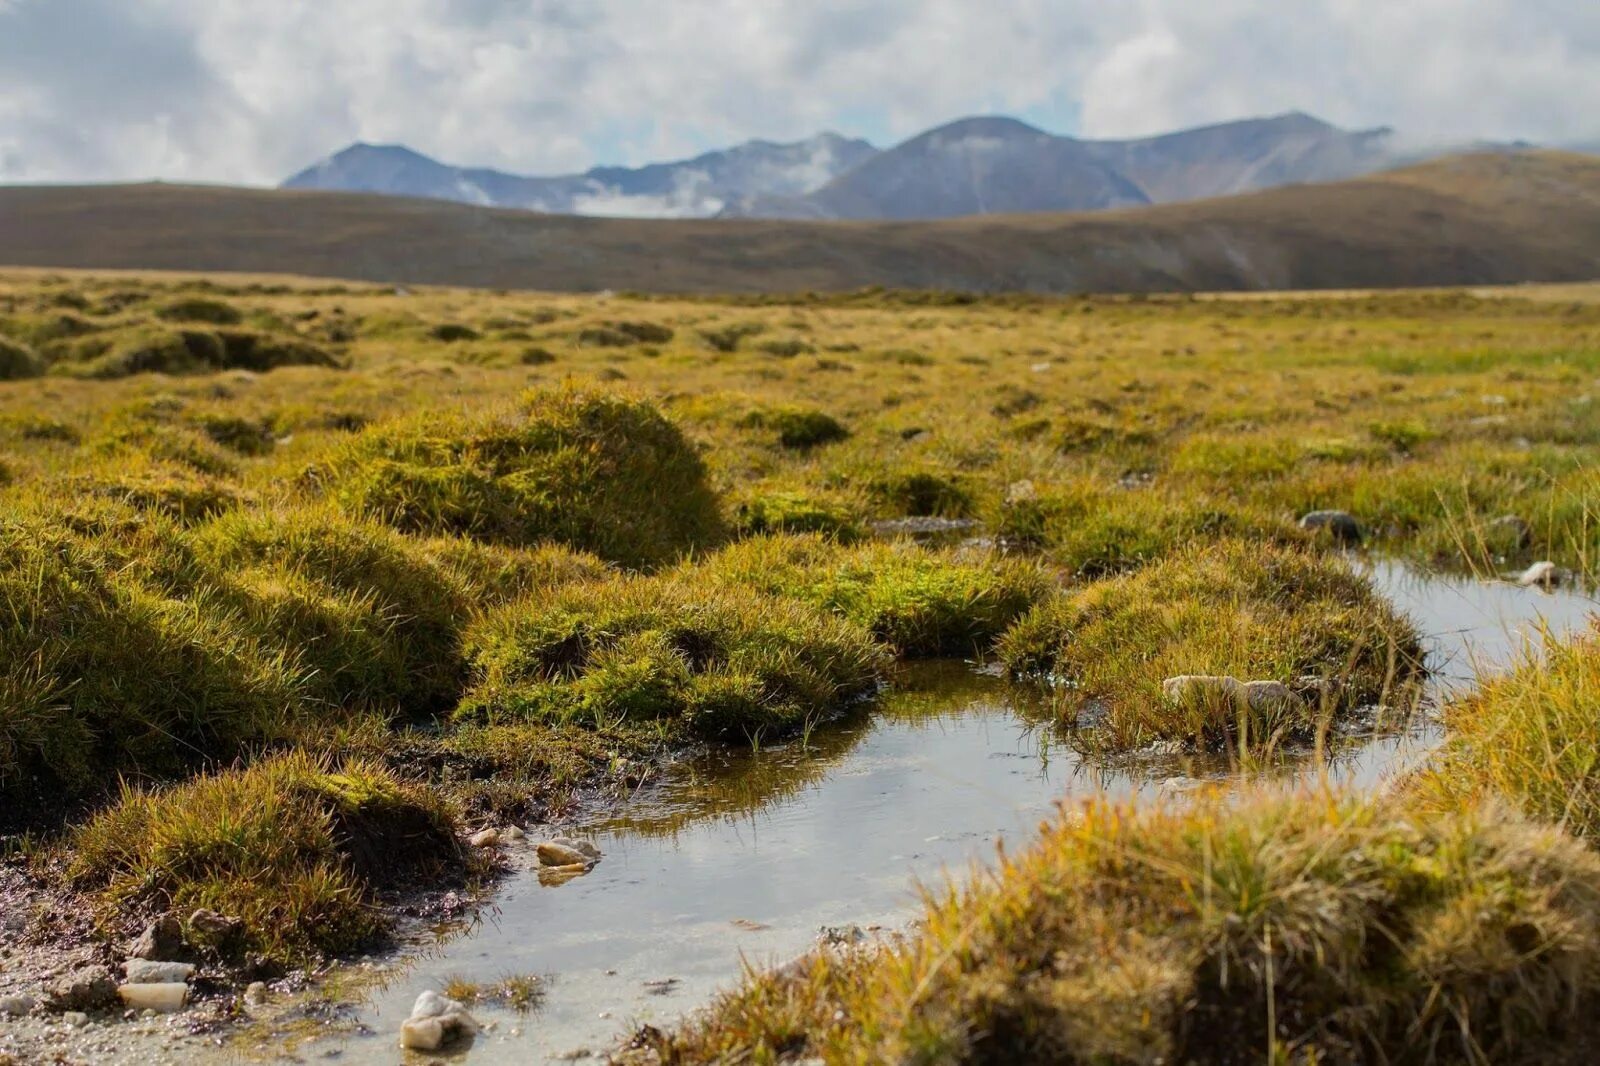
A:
(477, 549)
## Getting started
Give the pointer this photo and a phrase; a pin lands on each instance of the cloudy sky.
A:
(245, 91)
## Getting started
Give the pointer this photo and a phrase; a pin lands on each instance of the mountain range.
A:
(1479, 218)
(974, 166)
(691, 188)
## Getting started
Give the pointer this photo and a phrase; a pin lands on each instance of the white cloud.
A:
(237, 90)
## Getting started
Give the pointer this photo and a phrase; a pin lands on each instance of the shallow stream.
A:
(746, 856)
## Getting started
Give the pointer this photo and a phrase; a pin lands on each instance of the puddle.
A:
(745, 856)
(1470, 629)
(1475, 627)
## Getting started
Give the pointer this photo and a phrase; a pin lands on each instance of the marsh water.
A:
(744, 857)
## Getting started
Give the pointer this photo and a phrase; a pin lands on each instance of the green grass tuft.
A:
(1530, 737)
(594, 471)
(17, 360)
(292, 848)
(918, 601)
(104, 668)
(780, 511)
(797, 427)
(200, 309)
(715, 661)
(1282, 930)
(1249, 611)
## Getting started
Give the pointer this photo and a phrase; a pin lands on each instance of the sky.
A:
(248, 92)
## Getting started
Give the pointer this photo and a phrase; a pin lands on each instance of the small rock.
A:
(840, 935)
(1543, 574)
(486, 838)
(435, 1021)
(422, 1034)
(162, 940)
(256, 993)
(563, 853)
(1191, 689)
(1265, 697)
(515, 832)
(556, 876)
(1340, 525)
(579, 844)
(211, 924)
(149, 972)
(75, 1018)
(16, 1006)
(163, 998)
(84, 990)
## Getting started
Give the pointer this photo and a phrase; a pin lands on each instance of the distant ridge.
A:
(689, 188)
(1484, 218)
(998, 165)
(982, 165)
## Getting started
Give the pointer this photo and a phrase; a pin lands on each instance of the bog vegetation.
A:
(295, 572)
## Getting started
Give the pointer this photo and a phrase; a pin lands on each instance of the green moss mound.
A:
(495, 574)
(173, 491)
(200, 309)
(1280, 930)
(923, 494)
(163, 350)
(800, 428)
(714, 662)
(624, 334)
(1240, 609)
(253, 350)
(592, 470)
(153, 433)
(781, 511)
(918, 601)
(371, 619)
(18, 361)
(103, 667)
(451, 332)
(291, 848)
(142, 350)
(1094, 530)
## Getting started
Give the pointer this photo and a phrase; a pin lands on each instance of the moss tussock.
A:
(369, 619)
(17, 360)
(590, 470)
(104, 669)
(293, 849)
(786, 511)
(1237, 609)
(1291, 929)
(181, 351)
(200, 309)
(800, 428)
(715, 662)
(919, 602)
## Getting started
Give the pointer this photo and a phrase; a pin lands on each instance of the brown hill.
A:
(1474, 219)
